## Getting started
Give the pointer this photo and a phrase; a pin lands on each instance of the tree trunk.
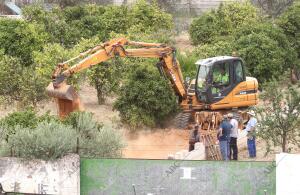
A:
(100, 95)
(284, 142)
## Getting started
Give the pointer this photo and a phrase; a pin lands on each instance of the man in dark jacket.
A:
(224, 137)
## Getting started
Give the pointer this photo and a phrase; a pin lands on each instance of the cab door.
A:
(239, 93)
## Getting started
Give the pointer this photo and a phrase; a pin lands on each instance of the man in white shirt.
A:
(251, 131)
(233, 152)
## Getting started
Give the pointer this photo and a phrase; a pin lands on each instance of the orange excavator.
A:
(221, 85)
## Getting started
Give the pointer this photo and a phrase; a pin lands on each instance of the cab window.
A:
(221, 74)
(238, 72)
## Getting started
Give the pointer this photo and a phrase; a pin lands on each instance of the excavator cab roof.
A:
(211, 61)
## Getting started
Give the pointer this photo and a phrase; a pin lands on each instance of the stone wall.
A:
(40, 177)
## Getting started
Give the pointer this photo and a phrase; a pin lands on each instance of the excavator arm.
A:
(168, 64)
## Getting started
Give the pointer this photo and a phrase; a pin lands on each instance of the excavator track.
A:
(182, 120)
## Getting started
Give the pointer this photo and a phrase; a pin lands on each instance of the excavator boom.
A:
(168, 65)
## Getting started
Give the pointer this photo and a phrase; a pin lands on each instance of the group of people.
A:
(228, 134)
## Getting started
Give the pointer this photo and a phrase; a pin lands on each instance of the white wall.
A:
(287, 174)
(37, 176)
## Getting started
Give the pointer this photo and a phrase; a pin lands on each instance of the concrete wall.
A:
(287, 174)
(121, 176)
(40, 177)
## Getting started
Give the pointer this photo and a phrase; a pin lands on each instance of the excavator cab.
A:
(217, 78)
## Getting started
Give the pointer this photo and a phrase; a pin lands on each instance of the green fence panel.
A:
(149, 177)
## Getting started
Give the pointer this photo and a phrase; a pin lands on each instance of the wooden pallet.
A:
(212, 149)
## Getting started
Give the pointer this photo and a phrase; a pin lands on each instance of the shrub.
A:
(145, 98)
(95, 140)
(187, 62)
(265, 49)
(19, 39)
(289, 21)
(23, 119)
(149, 17)
(48, 140)
(221, 22)
(25, 134)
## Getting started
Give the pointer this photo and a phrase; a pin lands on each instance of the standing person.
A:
(194, 137)
(233, 149)
(251, 131)
(224, 136)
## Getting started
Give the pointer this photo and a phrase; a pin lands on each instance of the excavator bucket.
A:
(66, 98)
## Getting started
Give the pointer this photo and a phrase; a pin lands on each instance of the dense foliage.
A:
(67, 26)
(20, 39)
(26, 134)
(221, 22)
(265, 49)
(145, 98)
(289, 21)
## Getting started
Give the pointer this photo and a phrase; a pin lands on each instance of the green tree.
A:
(67, 26)
(265, 49)
(221, 22)
(149, 17)
(105, 77)
(20, 39)
(289, 21)
(145, 98)
(19, 83)
(218, 48)
(279, 117)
